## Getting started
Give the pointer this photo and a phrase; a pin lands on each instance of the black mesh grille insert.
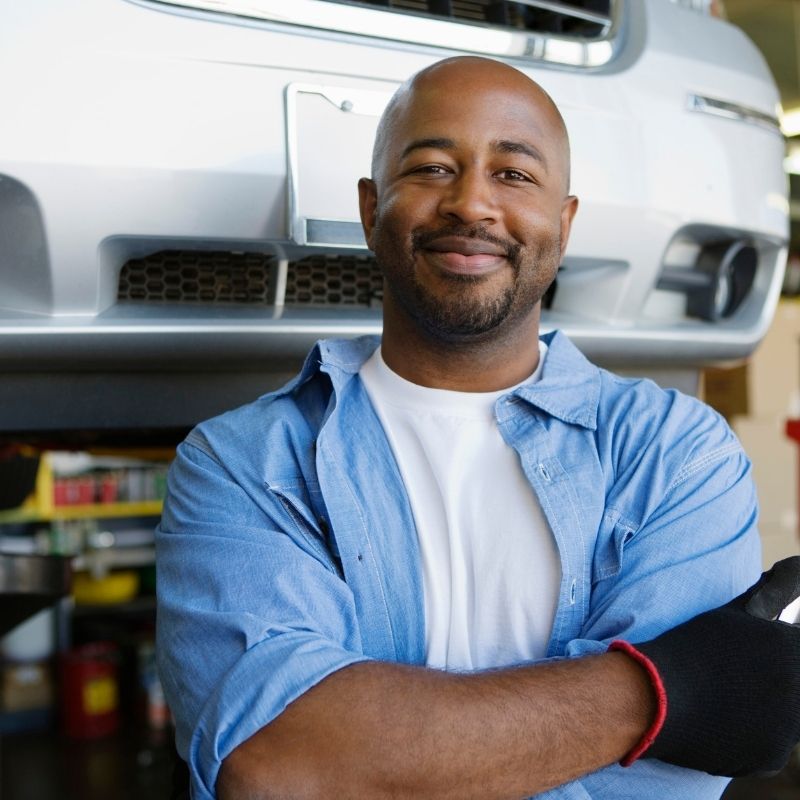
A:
(209, 277)
(584, 18)
(334, 280)
(194, 277)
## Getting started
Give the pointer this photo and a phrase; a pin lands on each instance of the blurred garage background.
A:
(102, 730)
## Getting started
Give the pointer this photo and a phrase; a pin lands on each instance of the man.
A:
(369, 580)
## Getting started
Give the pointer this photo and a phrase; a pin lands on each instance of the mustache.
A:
(422, 239)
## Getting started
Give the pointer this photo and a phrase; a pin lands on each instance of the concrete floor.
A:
(47, 766)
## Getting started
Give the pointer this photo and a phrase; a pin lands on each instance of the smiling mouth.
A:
(465, 255)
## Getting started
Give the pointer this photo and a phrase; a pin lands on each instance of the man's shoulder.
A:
(640, 400)
(660, 435)
(290, 415)
(634, 416)
(260, 423)
(590, 393)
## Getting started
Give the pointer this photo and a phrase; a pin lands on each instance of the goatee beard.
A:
(461, 316)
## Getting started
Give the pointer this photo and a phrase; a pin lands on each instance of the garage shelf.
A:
(40, 506)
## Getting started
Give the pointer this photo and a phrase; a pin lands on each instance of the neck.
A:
(472, 364)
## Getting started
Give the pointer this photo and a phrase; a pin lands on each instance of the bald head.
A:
(468, 212)
(453, 77)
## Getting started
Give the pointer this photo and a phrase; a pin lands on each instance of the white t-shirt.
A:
(490, 565)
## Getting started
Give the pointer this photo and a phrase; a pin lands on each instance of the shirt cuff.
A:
(661, 699)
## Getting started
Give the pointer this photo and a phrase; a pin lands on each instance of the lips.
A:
(465, 256)
(465, 246)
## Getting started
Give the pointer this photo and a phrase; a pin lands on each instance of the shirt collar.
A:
(569, 387)
(340, 358)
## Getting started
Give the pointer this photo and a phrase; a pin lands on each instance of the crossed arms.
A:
(309, 714)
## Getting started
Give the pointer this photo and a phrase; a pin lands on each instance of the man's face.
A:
(468, 215)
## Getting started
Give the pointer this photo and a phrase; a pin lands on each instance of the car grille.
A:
(334, 280)
(186, 277)
(250, 278)
(573, 33)
(584, 18)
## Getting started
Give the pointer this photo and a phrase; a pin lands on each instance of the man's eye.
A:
(430, 169)
(513, 175)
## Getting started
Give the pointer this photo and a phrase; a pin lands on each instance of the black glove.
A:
(732, 682)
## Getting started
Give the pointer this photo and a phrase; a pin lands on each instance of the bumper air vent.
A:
(334, 280)
(189, 277)
(250, 278)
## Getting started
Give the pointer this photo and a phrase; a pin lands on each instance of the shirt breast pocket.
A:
(303, 510)
(615, 534)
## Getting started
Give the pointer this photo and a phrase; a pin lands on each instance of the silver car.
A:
(178, 215)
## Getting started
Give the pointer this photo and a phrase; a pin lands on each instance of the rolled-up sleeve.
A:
(250, 613)
(695, 548)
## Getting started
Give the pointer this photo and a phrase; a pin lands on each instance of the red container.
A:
(60, 492)
(85, 490)
(90, 691)
(109, 488)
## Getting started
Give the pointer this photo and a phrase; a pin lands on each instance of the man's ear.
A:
(367, 204)
(568, 209)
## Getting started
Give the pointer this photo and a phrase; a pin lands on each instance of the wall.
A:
(772, 385)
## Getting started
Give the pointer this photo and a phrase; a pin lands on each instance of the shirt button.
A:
(544, 473)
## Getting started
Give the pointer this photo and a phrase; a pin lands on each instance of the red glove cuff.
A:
(661, 700)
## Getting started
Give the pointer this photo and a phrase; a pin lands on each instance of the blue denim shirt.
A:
(287, 548)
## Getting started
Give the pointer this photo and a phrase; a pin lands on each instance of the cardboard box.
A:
(726, 390)
(774, 369)
(25, 687)
(774, 458)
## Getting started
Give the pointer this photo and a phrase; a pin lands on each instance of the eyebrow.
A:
(436, 143)
(524, 148)
(500, 146)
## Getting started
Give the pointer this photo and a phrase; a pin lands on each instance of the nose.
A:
(469, 198)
